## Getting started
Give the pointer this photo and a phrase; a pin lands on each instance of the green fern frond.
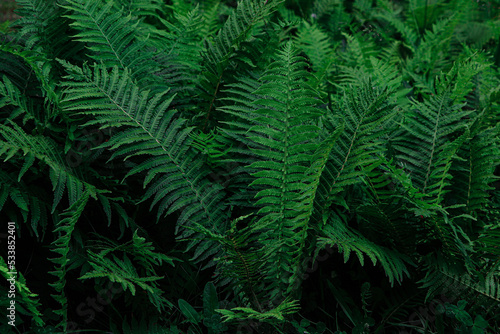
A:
(152, 130)
(383, 75)
(43, 29)
(285, 308)
(317, 46)
(244, 261)
(429, 57)
(389, 214)
(488, 243)
(434, 128)
(27, 198)
(321, 8)
(337, 235)
(211, 12)
(41, 81)
(124, 272)
(364, 112)
(10, 95)
(277, 128)
(284, 136)
(179, 63)
(15, 140)
(64, 230)
(390, 13)
(36, 16)
(460, 79)
(473, 178)
(27, 297)
(141, 8)
(110, 36)
(141, 250)
(359, 50)
(107, 264)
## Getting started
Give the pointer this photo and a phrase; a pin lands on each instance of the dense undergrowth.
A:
(263, 166)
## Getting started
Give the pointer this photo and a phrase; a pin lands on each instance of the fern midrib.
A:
(179, 167)
(434, 139)
(285, 165)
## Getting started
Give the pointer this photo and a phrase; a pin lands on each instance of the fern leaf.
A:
(431, 127)
(152, 130)
(347, 241)
(285, 135)
(110, 36)
(27, 297)
(236, 30)
(64, 230)
(63, 177)
(126, 273)
(365, 111)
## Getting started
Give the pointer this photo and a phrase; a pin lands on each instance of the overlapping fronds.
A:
(473, 179)
(181, 48)
(438, 128)
(61, 246)
(15, 141)
(339, 236)
(110, 36)
(240, 140)
(317, 46)
(151, 130)
(123, 271)
(237, 29)
(43, 29)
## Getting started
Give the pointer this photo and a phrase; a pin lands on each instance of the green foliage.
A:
(259, 166)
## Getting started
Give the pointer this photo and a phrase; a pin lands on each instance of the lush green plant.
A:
(192, 161)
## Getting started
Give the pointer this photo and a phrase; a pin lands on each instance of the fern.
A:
(31, 304)
(179, 65)
(236, 30)
(141, 8)
(435, 126)
(124, 271)
(315, 43)
(475, 176)
(61, 175)
(285, 133)
(44, 31)
(153, 131)
(358, 145)
(286, 307)
(64, 229)
(337, 235)
(241, 141)
(110, 36)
